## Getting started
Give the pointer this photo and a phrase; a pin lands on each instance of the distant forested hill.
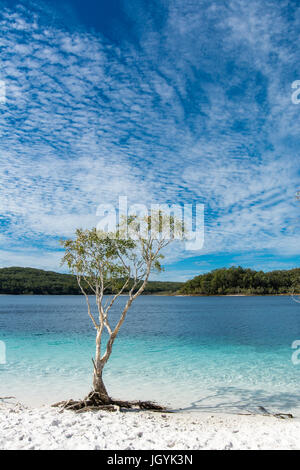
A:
(223, 281)
(36, 281)
(237, 280)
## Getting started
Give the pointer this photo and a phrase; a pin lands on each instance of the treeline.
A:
(237, 280)
(37, 281)
(225, 281)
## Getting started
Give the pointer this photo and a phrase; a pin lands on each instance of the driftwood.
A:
(275, 415)
(267, 413)
(93, 402)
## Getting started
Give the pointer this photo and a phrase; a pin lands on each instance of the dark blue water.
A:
(224, 353)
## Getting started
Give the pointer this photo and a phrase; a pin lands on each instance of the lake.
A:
(196, 353)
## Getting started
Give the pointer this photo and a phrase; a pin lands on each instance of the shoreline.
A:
(171, 294)
(27, 428)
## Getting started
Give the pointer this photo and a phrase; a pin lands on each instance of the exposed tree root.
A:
(93, 402)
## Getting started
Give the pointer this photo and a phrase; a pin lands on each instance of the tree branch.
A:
(88, 304)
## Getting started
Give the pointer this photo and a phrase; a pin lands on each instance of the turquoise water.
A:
(204, 353)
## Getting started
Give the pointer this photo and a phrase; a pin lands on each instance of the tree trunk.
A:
(98, 383)
(99, 386)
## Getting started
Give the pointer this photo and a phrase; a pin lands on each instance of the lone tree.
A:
(118, 262)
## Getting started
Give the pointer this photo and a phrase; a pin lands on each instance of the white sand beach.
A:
(47, 428)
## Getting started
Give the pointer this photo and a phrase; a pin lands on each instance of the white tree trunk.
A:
(98, 383)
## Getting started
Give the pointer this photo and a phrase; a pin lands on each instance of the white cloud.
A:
(168, 121)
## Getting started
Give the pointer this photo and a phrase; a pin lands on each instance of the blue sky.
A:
(162, 101)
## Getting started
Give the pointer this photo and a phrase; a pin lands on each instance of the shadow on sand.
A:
(238, 400)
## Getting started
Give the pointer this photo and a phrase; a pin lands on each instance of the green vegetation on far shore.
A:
(224, 281)
(237, 280)
(37, 281)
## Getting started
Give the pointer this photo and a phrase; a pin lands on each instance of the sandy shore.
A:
(46, 428)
